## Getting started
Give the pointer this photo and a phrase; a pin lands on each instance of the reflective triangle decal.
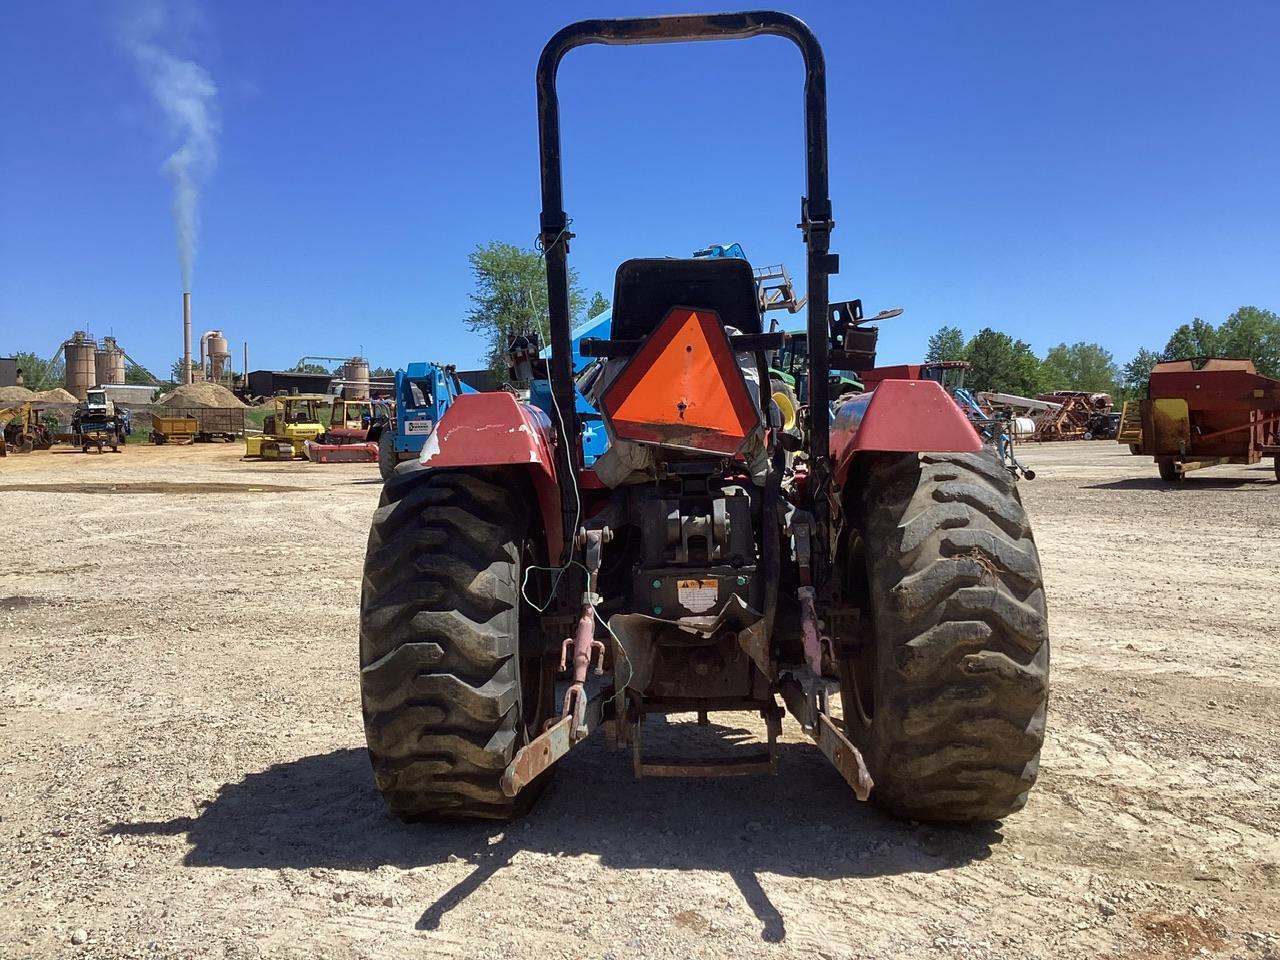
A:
(683, 388)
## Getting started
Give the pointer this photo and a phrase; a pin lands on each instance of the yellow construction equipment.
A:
(23, 430)
(293, 421)
(174, 429)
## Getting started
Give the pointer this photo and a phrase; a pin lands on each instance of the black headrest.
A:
(645, 290)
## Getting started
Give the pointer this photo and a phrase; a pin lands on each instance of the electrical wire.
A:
(559, 571)
(620, 688)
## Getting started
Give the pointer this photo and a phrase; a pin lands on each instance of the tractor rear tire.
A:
(455, 675)
(387, 459)
(948, 694)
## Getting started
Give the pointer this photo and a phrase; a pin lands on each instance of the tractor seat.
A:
(646, 289)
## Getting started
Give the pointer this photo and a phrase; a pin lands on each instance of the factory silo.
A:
(355, 374)
(219, 355)
(80, 354)
(109, 362)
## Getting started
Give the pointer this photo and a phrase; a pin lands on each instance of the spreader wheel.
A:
(1169, 470)
(947, 696)
(455, 675)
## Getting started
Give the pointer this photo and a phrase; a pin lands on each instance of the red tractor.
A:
(519, 592)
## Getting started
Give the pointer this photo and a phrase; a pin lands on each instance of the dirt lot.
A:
(184, 774)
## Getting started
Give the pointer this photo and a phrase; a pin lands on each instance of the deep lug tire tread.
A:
(960, 627)
(439, 654)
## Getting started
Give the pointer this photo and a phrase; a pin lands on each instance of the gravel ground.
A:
(184, 773)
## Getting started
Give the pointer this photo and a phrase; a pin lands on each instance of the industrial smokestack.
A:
(186, 337)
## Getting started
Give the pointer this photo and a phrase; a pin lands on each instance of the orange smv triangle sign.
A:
(683, 388)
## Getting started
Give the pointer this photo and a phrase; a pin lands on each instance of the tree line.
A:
(510, 298)
(999, 362)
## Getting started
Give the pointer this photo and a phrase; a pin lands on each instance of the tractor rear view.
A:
(875, 574)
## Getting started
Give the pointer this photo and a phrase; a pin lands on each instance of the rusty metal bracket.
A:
(844, 756)
(747, 765)
(813, 714)
(557, 740)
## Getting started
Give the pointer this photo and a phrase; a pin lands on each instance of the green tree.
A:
(1137, 372)
(1080, 366)
(1194, 339)
(301, 367)
(946, 344)
(134, 373)
(34, 374)
(382, 372)
(1254, 333)
(510, 297)
(599, 304)
(998, 362)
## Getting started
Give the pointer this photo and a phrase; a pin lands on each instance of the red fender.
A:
(493, 430)
(900, 416)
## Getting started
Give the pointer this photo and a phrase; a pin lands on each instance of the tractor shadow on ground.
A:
(323, 811)
(1190, 484)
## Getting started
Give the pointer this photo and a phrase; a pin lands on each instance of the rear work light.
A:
(683, 388)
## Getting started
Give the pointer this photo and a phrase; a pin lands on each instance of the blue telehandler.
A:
(424, 391)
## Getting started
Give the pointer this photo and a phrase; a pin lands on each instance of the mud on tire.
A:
(947, 697)
(449, 694)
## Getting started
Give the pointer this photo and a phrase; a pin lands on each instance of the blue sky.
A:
(1074, 171)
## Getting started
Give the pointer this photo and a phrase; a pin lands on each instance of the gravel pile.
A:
(15, 395)
(200, 395)
(56, 395)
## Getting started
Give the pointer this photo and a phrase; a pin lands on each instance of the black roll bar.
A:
(815, 213)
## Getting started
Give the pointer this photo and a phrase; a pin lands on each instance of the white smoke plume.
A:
(187, 96)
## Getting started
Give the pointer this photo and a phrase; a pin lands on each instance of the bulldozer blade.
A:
(551, 745)
(844, 756)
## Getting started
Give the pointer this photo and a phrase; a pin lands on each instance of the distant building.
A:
(267, 383)
(129, 392)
